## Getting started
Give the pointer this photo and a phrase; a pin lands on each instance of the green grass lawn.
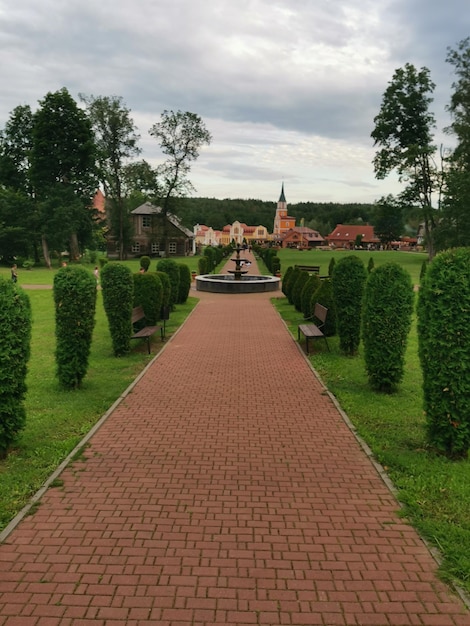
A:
(434, 492)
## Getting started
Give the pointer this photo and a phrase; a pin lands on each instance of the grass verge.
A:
(434, 492)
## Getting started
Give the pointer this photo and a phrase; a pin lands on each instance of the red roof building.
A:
(346, 235)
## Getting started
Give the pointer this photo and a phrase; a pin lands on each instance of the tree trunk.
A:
(45, 252)
(74, 248)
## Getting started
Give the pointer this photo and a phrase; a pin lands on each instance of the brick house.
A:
(302, 237)
(149, 236)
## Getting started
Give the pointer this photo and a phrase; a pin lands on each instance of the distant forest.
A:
(319, 216)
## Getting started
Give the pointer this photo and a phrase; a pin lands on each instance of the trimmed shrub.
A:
(386, 322)
(211, 258)
(290, 285)
(331, 266)
(75, 305)
(170, 267)
(348, 280)
(285, 279)
(15, 339)
(324, 295)
(117, 284)
(370, 265)
(444, 351)
(297, 288)
(275, 264)
(148, 293)
(308, 290)
(165, 280)
(145, 263)
(424, 267)
(203, 265)
(185, 283)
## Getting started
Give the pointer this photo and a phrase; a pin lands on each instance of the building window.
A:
(172, 247)
(146, 221)
(155, 248)
(136, 247)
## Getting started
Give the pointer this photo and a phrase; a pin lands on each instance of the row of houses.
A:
(155, 233)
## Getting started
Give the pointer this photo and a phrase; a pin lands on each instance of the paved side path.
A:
(224, 490)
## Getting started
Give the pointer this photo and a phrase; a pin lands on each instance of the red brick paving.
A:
(224, 489)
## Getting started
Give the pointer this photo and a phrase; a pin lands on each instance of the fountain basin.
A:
(226, 283)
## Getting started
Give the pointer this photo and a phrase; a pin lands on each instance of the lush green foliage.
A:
(331, 266)
(15, 335)
(75, 304)
(118, 296)
(148, 293)
(286, 279)
(386, 322)
(170, 267)
(289, 287)
(403, 134)
(185, 283)
(203, 265)
(166, 296)
(444, 350)
(144, 262)
(297, 289)
(310, 287)
(349, 277)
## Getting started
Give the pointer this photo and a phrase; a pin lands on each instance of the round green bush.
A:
(203, 265)
(75, 304)
(148, 293)
(15, 339)
(386, 322)
(145, 263)
(170, 267)
(118, 296)
(348, 280)
(444, 351)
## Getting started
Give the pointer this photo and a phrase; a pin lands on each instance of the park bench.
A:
(314, 331)
(147, 331)
(311, 269)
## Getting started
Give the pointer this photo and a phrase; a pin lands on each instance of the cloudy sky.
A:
(288, 88)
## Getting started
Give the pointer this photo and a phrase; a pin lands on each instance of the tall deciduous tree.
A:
(455, 226)
(404, 135)
(18, 218)
(181, 135)
(63, 171)
(116, 139)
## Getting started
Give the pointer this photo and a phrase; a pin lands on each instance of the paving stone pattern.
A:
(225, 489)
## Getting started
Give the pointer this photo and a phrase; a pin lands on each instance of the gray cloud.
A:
(278, 82)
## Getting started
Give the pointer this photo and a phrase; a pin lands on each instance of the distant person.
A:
(96, 273)
(14, 273)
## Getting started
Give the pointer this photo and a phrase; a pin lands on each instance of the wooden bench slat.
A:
(314, 331)
(146, 332)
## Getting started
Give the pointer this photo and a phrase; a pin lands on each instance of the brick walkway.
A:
(225, 489)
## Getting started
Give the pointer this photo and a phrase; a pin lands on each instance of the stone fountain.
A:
(237, 280)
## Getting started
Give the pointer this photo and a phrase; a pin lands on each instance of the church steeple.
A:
(282, 197)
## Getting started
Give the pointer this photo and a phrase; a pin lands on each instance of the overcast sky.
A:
(288, 88)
